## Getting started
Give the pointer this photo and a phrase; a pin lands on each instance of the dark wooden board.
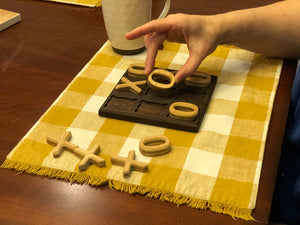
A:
(152, 107)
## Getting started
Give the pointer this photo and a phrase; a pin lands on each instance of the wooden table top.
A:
(38, 59)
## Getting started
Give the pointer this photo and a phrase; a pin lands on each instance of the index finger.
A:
(159, 25)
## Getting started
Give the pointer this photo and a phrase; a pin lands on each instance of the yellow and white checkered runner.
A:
(217, 168)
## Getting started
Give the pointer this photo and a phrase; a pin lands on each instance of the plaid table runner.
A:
(89, 3)
(217, 168)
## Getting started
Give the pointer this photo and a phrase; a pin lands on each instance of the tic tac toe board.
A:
(152, 106)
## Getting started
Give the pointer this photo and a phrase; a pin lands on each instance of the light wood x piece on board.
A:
(61, 144)
(129, 163)
(89, 157)
(132, 86)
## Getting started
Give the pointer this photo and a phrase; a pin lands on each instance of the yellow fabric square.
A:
(264, 66)
(44, 130)
(109, 144)
(260, 83)
(105, 60)
(175, 158)
(32, 152)
(221, 52)
(71, 99)
(210, 141)
(222, 107)
(232, 78)
(196, 185)
(165, 177)
(243, 147)
(235, 168)
(125, 62)
(140, 131)
(251, 111)
(84, 85)
(117, 127)
(95, 72)
(212, 65)
(255, 96)
(88, 121)
(60, 116)
(241, 54)
(225, 188)
(104, 89)
(180, 138)
(171, 46)
(248, 129)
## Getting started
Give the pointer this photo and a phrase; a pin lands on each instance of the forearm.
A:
(272, 29)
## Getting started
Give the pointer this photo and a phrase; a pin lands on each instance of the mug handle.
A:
(165, 9)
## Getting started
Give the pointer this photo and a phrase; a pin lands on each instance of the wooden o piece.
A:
(164, 74)
(199, 79)
(183, 110)
(129, 163)
(137, 70)
(132, 86)
(154, 145)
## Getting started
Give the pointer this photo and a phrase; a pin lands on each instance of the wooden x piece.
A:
(89, 157)
(61, 144)
(129, 163)
(132, 86)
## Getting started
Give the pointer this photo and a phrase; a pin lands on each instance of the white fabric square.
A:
(227, 92)
(133, 144)
(203, 162)
(82, 138)
(94, 103)
(180, 58)
(217, 123)
(257, 172)
(114, 76)
(236, 65)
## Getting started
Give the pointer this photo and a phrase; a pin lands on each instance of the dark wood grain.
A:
(38, 58)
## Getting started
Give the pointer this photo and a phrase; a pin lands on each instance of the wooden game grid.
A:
(152, 106)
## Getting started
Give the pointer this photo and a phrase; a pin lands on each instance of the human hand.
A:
(200, 33)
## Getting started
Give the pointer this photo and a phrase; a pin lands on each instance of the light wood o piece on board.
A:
(199, 79)
(183, 110)
(137, 70)
(154, 145)
(164, 75)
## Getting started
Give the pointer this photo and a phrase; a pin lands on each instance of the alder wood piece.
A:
(132, 86)
(129, 163)
(164, 75)
(137, 70)
(199, 79)
(154, 145)
(61, 144)
(183, 110)
(89, 157)
(8, 18)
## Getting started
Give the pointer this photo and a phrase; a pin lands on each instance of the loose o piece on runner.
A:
(183, 110)
(158, 75)
(154, 145)
(199, 79)
(137, 70)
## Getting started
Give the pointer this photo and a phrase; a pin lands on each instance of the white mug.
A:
(122, 16)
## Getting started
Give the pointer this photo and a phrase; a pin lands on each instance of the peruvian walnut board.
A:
(152, 106)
